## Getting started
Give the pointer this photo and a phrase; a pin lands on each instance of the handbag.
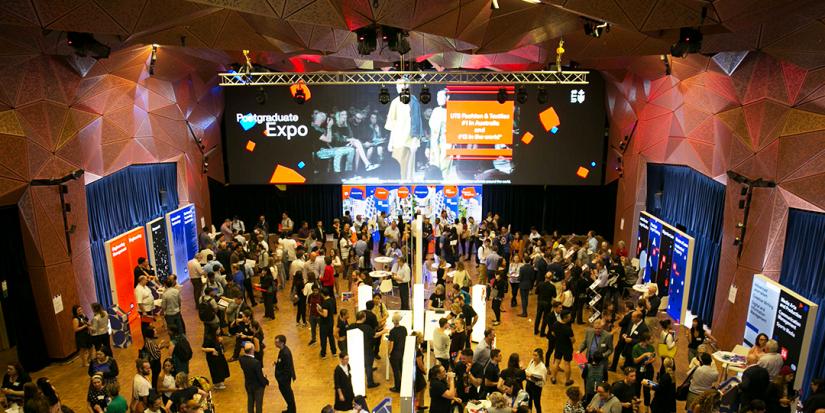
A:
(664, 351)
(684, 388)
(494, 293)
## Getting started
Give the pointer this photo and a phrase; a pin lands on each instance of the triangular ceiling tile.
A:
(794, 201)
(75, 120)
(798, 153)
(88, 19)
(794, 77)
(798, 121)
(729, 61)
(735, 120)
(37, 157)
(44, 121)
(13, 156)
(809, 188)
(10, 124)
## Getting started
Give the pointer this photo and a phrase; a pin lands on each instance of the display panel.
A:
(183, 239)
(158, 247)
(342, 134)
(784, 316)
(122, 253)
(665, 256)
(459, 201)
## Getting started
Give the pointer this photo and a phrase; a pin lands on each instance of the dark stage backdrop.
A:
(19, 311)
(568, 209)
(302, 202)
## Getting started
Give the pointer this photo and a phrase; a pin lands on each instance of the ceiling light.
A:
(395, 39)
(425, 96)
(521, 95)
(384, 96)
(494, 4)
(501, 97)
(595, 28)
(541, 96)
(690, 41)
(367, 40)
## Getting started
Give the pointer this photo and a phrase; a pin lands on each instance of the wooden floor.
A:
(313, 388)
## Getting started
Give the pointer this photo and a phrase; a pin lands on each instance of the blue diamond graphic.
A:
(554, 130)
(301, 165)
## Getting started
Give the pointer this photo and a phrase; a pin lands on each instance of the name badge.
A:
(101, 397)
(17, 383)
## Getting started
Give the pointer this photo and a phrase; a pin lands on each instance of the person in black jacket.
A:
(526, 277)
(816, 399)
(342, 377)
(546, 295)
(664, 398)
(285, 373)
(755, 381)
(255, 381)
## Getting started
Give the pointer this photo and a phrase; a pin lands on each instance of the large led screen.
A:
(342, 134)
(183, 239)
(122, 253)
(429, 200)
(158, 247)
(665, 257)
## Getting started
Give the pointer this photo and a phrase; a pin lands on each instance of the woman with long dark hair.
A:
(48, 391)
(99, 329)
(535, 373)
(697, 335)
(82, 339)
(300, 299)
(213, 349)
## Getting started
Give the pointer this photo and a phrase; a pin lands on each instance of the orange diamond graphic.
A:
(582, 172)
(527, 138)
(250, 146)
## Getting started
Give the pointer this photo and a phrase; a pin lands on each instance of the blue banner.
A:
(183, 239)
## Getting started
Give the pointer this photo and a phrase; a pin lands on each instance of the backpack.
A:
(205, 311)
(202, 383)
(183, 349)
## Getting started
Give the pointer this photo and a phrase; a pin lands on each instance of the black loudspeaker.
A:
(162, 196)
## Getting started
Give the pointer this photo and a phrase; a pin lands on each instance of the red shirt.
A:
(328, 279)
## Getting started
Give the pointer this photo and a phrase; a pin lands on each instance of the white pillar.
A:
(355, 346)
(418, 308)
(479, 303)
(408, 376)
(418, 225)
(364, 295)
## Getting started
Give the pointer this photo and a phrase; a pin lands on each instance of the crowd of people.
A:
(316, 268)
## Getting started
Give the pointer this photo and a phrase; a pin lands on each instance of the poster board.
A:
(785, 316)
(122, 253)
(158, 247)
(181, 225)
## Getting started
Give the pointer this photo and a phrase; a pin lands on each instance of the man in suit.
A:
(285, 373)
(755, 381)
(318, 233)
(254, 379)
(637, 327)
(526, 275)
(597, 341)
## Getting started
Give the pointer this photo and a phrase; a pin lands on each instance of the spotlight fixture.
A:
(424, 96)
(740, 225)
(501, 97)
(300, 92)
(737, 241)
(395, 39)
(541, 95)
(666, 61)
(690, 41)
(384, 96)
(367, 40)
(744, 190)
(85, 44)
(152, 59)
(260, 95)
(494, 5)
(521, 95)
(405, 97)
(595, 28)
(205, 165)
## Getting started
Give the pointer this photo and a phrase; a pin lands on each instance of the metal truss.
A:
(380, 78)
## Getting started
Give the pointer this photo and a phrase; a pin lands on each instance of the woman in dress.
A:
(97, 398)
(438, 298)
(343, 384)
(458, 339)
(50, 394)
(218, 367)
(697, 335)
(299, 299)
(460, 276)
(499, 288)
(664, 396)
(535, 373)
(82, 339)
(574, 400)
(151, 353)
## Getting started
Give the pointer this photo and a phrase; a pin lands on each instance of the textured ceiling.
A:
(316, 34)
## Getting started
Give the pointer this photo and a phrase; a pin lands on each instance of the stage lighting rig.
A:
(521, 95)
(424, 96)
(666, 61)
(405, 96)
(384, 96)
(541, 95)
(85, 44)
(260, 95)
(300, 92)
(690, 41)
(395, 39)
(501, 97)
(367, 40)
(595, 28)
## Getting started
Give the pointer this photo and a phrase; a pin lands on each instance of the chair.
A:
(385, 406)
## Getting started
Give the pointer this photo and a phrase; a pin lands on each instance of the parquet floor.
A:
(314, 385)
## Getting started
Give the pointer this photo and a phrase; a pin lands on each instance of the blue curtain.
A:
(686, 198)
(121, 201)
(803, 271)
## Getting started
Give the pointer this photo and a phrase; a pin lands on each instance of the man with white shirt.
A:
(289, 245)
(392, 234)
(482, 253)
(771, 360)
(534, 234)
(141, 384)
(144, 299)
(359, 221)
(287, 225)
(238, 226)
(298, 264)
(196, 274)
(401, 275)
(170, 305)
